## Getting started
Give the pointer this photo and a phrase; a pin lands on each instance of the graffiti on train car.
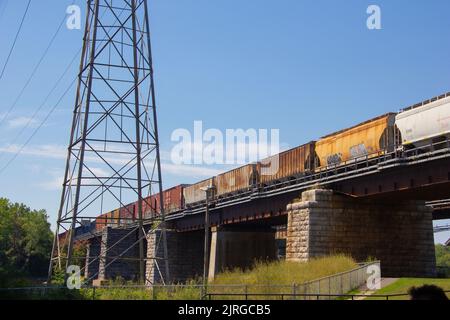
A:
(358, 151)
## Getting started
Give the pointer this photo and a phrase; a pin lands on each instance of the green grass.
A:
(401, 286)
(287, 272)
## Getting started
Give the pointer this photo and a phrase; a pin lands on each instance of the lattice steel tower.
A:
(113, 156)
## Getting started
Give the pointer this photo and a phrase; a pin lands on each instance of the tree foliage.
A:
(25, 242)
(442, 255)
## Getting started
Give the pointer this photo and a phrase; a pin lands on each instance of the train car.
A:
(425, 123)
(237, 180)
(173, 201)
(115, 215)
(109, 219)
(87, 227)
(113, 218)
(62, 238)
(101, 222)
(127, 213)
(194, 193)
(288, 164)
(150, 205)
(365, 140)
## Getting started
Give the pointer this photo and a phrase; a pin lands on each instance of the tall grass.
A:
(279, 277)
(287, 272)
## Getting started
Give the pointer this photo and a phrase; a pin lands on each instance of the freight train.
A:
(425, 125)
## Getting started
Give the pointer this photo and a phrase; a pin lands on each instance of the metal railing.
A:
(146, 293)
(290, 296)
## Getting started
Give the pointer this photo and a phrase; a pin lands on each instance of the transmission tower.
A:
(113, 157)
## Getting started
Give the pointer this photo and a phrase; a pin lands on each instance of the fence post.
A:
(329, 285)
(93, 293)
(294, 291)
(352, 285)
(318, 284)
(357, 277)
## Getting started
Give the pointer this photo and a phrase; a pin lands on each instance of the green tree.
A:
(25, 242)
(442, 255)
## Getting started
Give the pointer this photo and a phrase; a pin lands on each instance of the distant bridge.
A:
(442, 228)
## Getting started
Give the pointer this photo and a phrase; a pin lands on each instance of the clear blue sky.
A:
(307, 68)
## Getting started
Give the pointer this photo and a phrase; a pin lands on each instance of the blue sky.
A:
(307, 68)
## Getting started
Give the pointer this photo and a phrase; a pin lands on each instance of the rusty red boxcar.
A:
(288, 164)
(240, 179)
(101, 222)
(127, 213)
(173, 201)
(194, 193)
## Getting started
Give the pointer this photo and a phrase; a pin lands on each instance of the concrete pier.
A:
(185, 256)
(92, 260)
(118, 243)
(399, 234)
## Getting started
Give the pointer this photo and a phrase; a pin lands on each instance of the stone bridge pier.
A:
(92, 261)
(398, 233)
(185, 254)
(119, 256)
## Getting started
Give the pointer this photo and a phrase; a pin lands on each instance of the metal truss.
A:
(113, 157)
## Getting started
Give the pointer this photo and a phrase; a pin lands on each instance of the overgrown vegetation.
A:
(283, 277)
(78, 258)
(287, 272)
(443, 260)
(25, 244)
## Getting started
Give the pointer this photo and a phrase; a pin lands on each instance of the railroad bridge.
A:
(379, 207)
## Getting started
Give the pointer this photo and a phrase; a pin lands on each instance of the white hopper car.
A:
(425, 123)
